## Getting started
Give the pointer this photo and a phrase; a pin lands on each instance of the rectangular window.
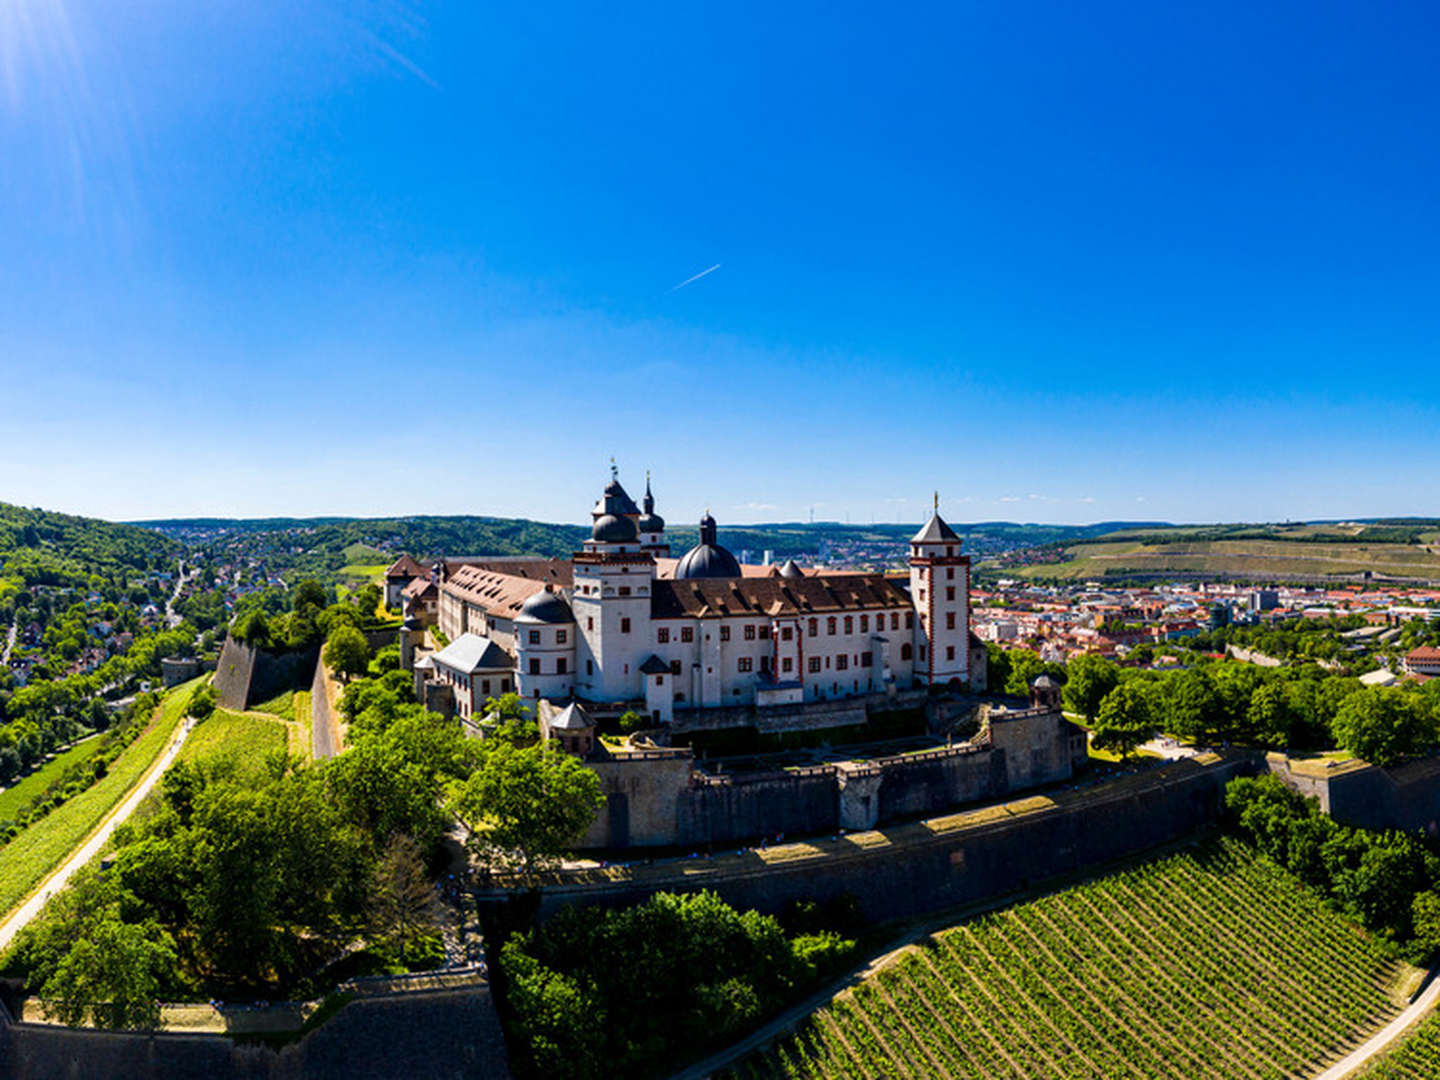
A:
(749, 631)
(849, 624)
(922, 652)
(830, 626)
(559, 637)
(765, 662)
(814, 627)
(624, 590)
(560, 665)
(909, 620)
(590, 623)
(764, 632)
(786, 664)
(625, 625)
(589, 667)
(662, 636)
(674, 667)
(866, 659)
(534, 637)
(687, 633)
(814, 665)
(842, 662)
(485, 687)
(534, 665)
(744, 664)
(950, 573)
(949, 652)
(659, 680)
(724, 633)
(785, 633)
(894, 620)
(950, 592)
(504, 686)
(949, 620)
(864, 624)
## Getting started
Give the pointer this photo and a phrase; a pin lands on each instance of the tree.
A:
(1192, 706)
(1382, 725)
(309, 593)
(113, 975)
(347, 651)
(253, 629)
(1089, 678)
(202, 703)
(1124, 719)
(525, 806)
(402, 905)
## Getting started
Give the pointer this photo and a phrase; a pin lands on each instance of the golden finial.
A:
(937, 502)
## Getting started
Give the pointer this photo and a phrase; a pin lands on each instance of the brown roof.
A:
(772, 596)
(559, 572)
(1424, 653)
(420, 586)
(405, 567)
(496, 593)
(665, 569)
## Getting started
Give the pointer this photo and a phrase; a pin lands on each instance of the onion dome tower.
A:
(651, 526)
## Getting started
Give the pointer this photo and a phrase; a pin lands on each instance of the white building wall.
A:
(554, 651)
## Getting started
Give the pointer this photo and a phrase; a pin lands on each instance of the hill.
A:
(1292, 552)
(38, 547)
(1208, 963)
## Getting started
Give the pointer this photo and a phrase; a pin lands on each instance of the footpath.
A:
(21, 917)
(1387, 1036)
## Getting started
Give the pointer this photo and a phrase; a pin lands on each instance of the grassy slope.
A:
(44, 845)
(1274, 558)
(15, 797)
(1211, 962)
(249, 739)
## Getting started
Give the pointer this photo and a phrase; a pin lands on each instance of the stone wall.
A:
(245, 675)
(913, 869)
(1355, 793)
(729, 809)
(442, 1034)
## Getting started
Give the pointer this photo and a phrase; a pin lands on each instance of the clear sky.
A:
(1061, 261)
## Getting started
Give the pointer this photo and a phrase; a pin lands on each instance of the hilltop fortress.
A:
(623, 623)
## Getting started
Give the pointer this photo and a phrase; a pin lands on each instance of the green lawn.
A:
(248, 739)
(44, 845)
(14, 798)
(301, 710)
(282, 706)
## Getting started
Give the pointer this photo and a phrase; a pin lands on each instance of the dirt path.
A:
(22, 915)
(9, 643)
(1387, 1036)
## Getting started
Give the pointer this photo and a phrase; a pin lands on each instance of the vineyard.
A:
(1208, 963)
(1416, 1058)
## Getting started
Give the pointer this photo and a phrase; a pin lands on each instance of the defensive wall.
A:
(658, 798)
(246, 675)
(1357, 793)
(439, 1034)
(924, 866)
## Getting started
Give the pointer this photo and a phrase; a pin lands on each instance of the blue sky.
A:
(1062, 262)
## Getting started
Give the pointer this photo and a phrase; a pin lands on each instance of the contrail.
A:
(697, 277)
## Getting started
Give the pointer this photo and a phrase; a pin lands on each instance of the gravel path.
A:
(21, 916)
(1390, 1034)
(326, 742)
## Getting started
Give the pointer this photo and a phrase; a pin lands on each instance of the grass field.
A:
(43, 846)
(1207, 963)
(1416, 1058)
(282, 706)
(301, 711)
(1257, 558)
(18, 795)
(248, 738)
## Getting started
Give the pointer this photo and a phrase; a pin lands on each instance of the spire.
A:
(614, 469)
(649, 501)
(937, 502)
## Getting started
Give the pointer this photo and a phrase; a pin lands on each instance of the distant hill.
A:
(39, 547)
(1383, 549)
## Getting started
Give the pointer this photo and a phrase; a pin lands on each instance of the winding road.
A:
(18, 919)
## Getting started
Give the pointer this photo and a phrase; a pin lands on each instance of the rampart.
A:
(245, 675)
(440, 1034)
(925, 866)
(1356, 793)
(658, 799)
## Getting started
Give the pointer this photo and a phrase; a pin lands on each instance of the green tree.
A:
(253, 629)
(347, 652)
(202, 703)
(309, 593)
(526, 806)
(1124, 719)
(1089, 678)
(113, 975)
(402, 906)
(1382, 725)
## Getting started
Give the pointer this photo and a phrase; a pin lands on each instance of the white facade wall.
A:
(611, 602)
(544, 658)
(940, 589)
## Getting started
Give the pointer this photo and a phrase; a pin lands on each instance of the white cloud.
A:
(1086, 499)
(1009, 498)
(757, 506)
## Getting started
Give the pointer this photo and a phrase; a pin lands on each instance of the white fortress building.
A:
(623, 624)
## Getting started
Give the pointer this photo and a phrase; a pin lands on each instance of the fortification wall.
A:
(912, 869)
(245, 675)
(928, 783)
(728, 810)
(1402, 797)
(441, 1034)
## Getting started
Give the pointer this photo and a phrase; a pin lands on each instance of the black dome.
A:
(707, 561)
(650, 523)
(613, 530)
(547, 607)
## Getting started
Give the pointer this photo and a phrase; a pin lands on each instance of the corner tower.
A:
(940, 591)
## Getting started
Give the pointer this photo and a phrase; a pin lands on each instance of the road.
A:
(9, 643)
(326, 738)
(21, 916)
(171, 619)
(1386, 1036)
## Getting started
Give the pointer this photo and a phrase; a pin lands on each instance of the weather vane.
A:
(937, 502)
(614, 469)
